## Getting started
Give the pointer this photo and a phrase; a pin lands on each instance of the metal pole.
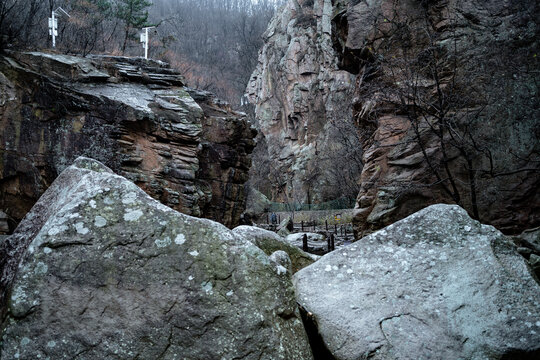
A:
(52, 28)
(146, 44)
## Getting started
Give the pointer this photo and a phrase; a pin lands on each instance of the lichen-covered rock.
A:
(435, 285)
(270, 242)
(108, 272)
(191, 152)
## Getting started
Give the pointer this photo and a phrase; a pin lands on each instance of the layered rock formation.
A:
(447, 100)
(302, 108)
(435, 285)
(100, 270)
(191, 152)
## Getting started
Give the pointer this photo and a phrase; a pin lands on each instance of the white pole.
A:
(52, 31)
(146, 44)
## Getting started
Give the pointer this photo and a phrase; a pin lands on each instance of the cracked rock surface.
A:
(106, 272)
(435, 285)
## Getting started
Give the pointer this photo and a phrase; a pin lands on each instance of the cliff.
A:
(184, 148)
(302, 109)
(443, 94)
(447, 100)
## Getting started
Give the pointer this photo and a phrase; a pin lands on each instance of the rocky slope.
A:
(99, 270)
(183, 147)
(445, 102)
(302, 108)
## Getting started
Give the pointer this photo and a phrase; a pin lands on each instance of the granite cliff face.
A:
(445, 101)
(302, 106)
(183, 147)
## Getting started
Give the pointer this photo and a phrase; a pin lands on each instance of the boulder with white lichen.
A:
(270, 242)
(435, 285)
(99, 270)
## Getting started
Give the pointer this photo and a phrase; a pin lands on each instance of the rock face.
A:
(185, 148)
(458, 56)
(376, 57)
(302, 107)
(108, 272)
(435, 285)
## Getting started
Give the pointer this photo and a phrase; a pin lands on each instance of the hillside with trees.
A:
(213, 42)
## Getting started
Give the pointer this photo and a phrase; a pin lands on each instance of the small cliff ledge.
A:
(183, 147)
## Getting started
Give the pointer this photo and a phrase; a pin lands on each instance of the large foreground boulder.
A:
(435, 285)
(106, 272)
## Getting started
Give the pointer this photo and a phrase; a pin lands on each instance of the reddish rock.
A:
(133, 115)
(486, 65)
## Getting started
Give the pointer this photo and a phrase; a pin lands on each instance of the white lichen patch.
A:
(129, 198)
(194, 253)
(25, 341)
(179, 239)
(132, 215)
(230, 293)
(207, 287)
(163, 242)
(328, 268)
(55, 230)
(18, 295)
(81, 229)
(280, 270)
(47, 250)
(92, 204)
(51, 344)
(41, 268)
(100, 221)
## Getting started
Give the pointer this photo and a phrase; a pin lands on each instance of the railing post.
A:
(326, 224)
(332, 241)
(302, 225)
(329, 242)
(304, 243)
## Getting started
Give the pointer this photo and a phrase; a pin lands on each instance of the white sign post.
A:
(53, 24)
(145, 40)
(53, 28)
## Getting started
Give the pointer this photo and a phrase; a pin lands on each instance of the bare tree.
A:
(441, 91)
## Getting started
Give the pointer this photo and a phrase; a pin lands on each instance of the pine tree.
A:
(134, 14)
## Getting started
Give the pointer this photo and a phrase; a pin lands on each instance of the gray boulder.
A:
(269, 242)
(106, 272)
(285, 226)
(435, 285)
